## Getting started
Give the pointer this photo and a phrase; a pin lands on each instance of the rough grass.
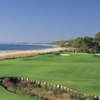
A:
(79, 71)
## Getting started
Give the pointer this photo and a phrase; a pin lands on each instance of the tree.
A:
(78, 43)
(83, 44)
(97, 38)
(88, 41)
(68, 43)
(95, 46)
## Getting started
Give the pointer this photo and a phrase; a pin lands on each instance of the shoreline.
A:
(3, 53)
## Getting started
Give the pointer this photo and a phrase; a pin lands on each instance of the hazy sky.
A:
(44, 21)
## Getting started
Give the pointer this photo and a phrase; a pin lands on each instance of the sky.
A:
(45, 21)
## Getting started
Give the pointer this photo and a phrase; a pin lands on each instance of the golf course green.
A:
(79, 71)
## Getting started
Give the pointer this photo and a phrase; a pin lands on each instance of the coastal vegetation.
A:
(82, 44)
(79, 71)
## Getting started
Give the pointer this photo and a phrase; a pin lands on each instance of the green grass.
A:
(79, 71)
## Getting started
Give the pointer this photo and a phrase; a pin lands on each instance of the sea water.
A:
(8, 47)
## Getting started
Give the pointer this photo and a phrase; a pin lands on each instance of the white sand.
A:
(97, 54)
(64, 54)
(31, 51)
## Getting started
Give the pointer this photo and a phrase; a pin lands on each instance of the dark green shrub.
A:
(90, 50)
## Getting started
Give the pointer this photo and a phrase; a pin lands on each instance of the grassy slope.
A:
(78, 71)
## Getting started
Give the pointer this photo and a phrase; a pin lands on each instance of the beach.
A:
(2, 53)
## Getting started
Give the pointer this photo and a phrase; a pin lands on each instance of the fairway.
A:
(79, 71)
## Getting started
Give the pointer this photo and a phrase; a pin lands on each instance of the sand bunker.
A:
(64, 54)
(97, 54)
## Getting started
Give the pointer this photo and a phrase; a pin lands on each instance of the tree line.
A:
(82, 44)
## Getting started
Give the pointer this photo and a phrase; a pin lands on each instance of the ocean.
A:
(9, 47)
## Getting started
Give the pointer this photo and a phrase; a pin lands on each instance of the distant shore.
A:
(30, 44)
(43, 45)
(54, 46)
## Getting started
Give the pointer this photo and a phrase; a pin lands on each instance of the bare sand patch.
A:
(97, 54)
(64, 54)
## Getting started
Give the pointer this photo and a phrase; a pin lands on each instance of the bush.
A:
(43, 87)
(24, 82)
(6, 79)
(65, 50)
(78, 50)
(90, 50)
(50, 88)
(10, 84)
